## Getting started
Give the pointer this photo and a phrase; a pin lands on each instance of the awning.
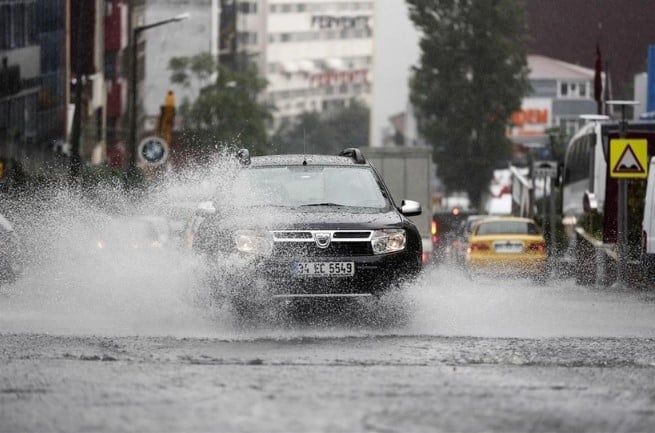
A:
(335, 64)
(290, 67)
(307, 66)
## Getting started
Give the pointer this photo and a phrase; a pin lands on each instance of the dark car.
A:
(11, 257)
(307, 226)
(461, 242)
(445, 225)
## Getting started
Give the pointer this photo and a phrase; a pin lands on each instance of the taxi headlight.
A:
(253, 242)
(388, 241)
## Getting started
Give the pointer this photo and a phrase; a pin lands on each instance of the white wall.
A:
(177, 39)
(395, 51)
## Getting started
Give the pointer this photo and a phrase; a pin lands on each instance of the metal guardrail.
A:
(609, 249)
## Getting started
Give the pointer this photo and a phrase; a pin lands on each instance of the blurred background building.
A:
(315, 54)
(33, 69)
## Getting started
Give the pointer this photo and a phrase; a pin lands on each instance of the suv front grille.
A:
(302, 243)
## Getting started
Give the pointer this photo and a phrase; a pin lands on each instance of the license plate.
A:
(508, 247)
(323, 269)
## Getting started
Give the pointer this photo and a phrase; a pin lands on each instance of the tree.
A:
(227, 111)
(471, 76)
(328, 132)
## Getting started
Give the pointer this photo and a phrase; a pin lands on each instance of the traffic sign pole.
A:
(622, 202)
(547, 171)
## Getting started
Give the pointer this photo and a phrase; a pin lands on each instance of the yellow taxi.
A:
(506, 246)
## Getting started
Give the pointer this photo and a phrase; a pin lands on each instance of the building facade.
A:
(87, 49)
(561, 93)
(31, 90)
(116, 34)
(315, 54)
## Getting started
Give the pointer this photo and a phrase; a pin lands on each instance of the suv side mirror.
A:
(410, 208)
(205, 208)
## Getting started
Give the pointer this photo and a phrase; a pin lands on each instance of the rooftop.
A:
(546, 68)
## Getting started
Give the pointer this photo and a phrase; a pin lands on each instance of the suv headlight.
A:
(253, 242)
(388, 241)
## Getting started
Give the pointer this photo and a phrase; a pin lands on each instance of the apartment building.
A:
(561, 92)
(315, 54)
(32, 69)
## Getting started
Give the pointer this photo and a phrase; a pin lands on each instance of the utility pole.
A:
(132, 169)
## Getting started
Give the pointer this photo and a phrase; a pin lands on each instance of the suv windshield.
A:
(309, 186)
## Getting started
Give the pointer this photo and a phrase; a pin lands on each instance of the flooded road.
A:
(466, 356)
(95, 339)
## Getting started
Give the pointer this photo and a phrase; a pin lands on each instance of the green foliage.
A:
(227, 111)
(326, 133)
(472, 75)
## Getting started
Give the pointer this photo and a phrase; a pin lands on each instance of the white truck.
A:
(408, 173)
(648, 228)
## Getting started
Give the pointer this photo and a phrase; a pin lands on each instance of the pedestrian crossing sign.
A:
(629, 158)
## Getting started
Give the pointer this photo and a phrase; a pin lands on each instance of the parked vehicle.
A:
(507, 246)
(459, 246)
(444, 229)
(306, 226)
(590, 202)
(408, 171)
(11, 254)
(647, 259)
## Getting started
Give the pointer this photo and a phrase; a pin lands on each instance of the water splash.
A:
(69, 287)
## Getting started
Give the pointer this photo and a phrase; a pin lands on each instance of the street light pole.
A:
(136, 32)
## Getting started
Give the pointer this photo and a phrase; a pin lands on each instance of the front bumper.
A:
(274, 277)
(498, 264)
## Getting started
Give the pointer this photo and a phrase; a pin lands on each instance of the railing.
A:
(522, 197)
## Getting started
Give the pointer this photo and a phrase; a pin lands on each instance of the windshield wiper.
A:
(322, 204)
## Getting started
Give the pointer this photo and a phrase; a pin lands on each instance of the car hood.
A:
(319, 217)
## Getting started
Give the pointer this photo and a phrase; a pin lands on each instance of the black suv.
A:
(307, 226)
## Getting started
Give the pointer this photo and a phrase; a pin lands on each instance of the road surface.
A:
(130, 353)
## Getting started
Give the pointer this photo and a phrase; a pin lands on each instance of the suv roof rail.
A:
(244, 156)
(355, 154)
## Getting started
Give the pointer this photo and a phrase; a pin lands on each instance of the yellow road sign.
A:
(629, 158)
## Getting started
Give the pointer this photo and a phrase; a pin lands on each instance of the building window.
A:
(19, 25)
(247, 38)
(569, 125)
(110, 65)
(5, 26)
(4, 115)
(249, 7)
(574, 89)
